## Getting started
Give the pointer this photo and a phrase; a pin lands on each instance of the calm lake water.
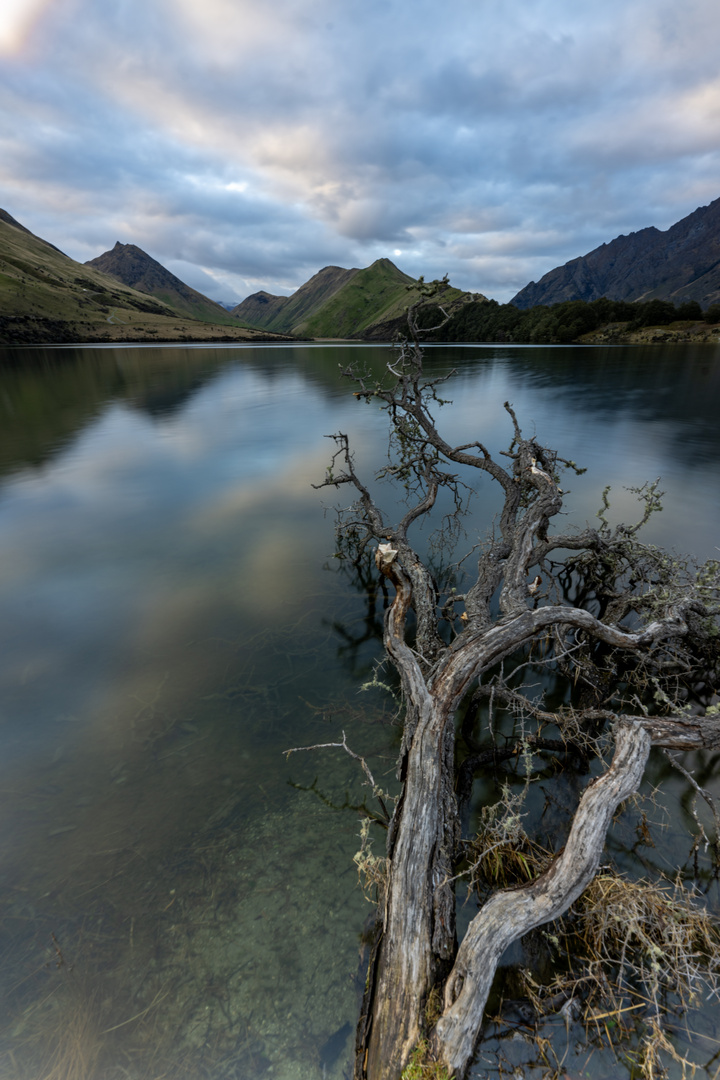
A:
(177, 898)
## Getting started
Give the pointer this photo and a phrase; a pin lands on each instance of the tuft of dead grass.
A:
(639, 950)
(655, 933)
(502, 855)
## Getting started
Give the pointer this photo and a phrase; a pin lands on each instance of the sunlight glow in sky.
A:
(16, 20)
(251, 145)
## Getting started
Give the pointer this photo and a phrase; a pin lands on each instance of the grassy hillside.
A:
(312, 297)
(37, 279)
(47, 297)
(283, 313)
(262, 309)
(369, 296)
(338, 303)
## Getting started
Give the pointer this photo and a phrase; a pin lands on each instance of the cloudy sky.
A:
(245, 145)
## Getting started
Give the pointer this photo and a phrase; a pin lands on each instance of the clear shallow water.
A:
(172, 621)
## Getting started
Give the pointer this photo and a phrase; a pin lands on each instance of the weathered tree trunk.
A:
(511, 913)
(417, 946)
(418, 939)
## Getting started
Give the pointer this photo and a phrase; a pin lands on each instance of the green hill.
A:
(38, 279)
(283, 313)
(338, 303)
(45, 296)
(366, 297)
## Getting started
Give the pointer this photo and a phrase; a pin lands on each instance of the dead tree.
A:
(634, 630)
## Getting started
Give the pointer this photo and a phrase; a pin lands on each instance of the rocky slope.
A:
(134, 267)
(682, 263)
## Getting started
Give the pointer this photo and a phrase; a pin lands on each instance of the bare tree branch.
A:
(630, 631)
(510, 914)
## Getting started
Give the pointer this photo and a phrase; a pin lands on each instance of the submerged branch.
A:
(356, 757)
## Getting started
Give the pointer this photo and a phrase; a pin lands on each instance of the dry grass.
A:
(79, 1028)
(655, 932)
(639, 950)
(631, 953)
(502, 855)
(74, 1042)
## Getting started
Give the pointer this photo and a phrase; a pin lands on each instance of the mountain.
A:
(134, 267)
(365, 297)
(682, 263)
(45, 296)
(282, 313)
(339, 303)
(4, 216)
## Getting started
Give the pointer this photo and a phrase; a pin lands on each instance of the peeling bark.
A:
(419, 916)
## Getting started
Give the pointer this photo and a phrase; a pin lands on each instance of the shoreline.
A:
(37, 330)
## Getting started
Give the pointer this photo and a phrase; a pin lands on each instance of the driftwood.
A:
(612, 613)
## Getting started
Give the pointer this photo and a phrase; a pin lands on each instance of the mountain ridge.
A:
(47, 297)
(678, 264)
(282, 313)
(361, 301)
(367, 304)
(10, 220)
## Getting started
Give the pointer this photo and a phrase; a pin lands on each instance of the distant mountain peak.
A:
(134, 267)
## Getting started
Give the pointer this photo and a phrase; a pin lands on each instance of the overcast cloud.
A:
(246, 145)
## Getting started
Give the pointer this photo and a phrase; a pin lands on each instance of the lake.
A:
(177, 897)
